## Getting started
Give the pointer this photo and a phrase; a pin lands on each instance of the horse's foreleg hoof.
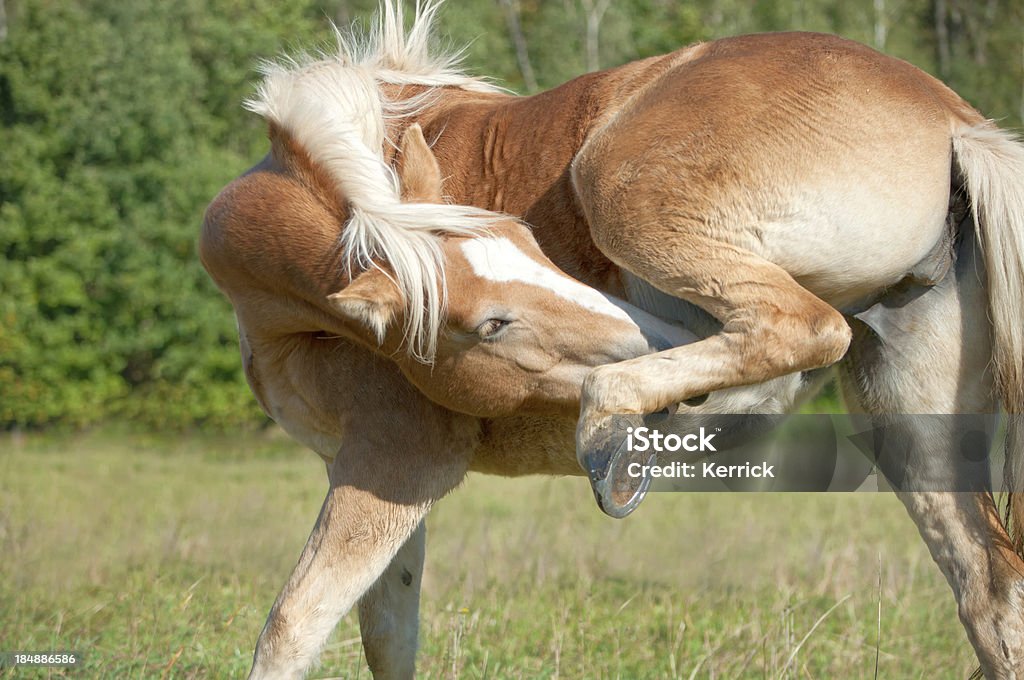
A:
(616, 474)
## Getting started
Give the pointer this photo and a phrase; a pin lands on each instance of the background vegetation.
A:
(120, 120)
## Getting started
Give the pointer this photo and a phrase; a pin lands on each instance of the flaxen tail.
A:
(991, 162)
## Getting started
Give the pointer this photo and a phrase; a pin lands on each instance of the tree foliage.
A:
(119, 121)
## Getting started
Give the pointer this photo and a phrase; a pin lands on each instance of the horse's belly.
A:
(846, 245)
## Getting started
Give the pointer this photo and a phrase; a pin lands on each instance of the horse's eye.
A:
(492, 328)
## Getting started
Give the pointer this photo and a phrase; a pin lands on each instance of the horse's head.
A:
(516, 333)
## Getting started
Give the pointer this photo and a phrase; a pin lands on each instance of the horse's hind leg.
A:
(771, 326)
(389, 612)
(930, 356)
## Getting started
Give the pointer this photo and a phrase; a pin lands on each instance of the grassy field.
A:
(160, 559)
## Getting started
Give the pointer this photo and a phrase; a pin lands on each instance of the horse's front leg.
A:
(379, 493)
(389, 612)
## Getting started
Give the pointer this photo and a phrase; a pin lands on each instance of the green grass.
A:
(161, 558)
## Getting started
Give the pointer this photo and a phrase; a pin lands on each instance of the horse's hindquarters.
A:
(825, 158)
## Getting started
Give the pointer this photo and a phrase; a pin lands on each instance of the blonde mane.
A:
(334, 107)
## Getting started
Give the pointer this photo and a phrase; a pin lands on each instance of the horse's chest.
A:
(287, 396)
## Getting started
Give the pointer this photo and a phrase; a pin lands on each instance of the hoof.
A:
(606, 459)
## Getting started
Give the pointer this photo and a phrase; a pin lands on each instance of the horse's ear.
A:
(369, 306)
(418, 171)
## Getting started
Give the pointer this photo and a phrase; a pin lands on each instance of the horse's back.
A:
(764, 71)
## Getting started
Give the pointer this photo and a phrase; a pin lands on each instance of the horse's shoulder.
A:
(267, 232)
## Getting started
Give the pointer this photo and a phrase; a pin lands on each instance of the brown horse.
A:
(782, 183)
(517, 336)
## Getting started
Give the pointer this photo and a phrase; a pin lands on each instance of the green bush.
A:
(120, 122)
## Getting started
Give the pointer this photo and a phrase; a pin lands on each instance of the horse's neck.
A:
(512, 154)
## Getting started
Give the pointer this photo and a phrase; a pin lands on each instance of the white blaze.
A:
(498, 259)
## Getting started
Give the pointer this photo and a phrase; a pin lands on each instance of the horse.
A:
(307, 320)
(747, 186)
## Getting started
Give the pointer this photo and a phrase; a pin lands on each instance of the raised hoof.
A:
(606, 459)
